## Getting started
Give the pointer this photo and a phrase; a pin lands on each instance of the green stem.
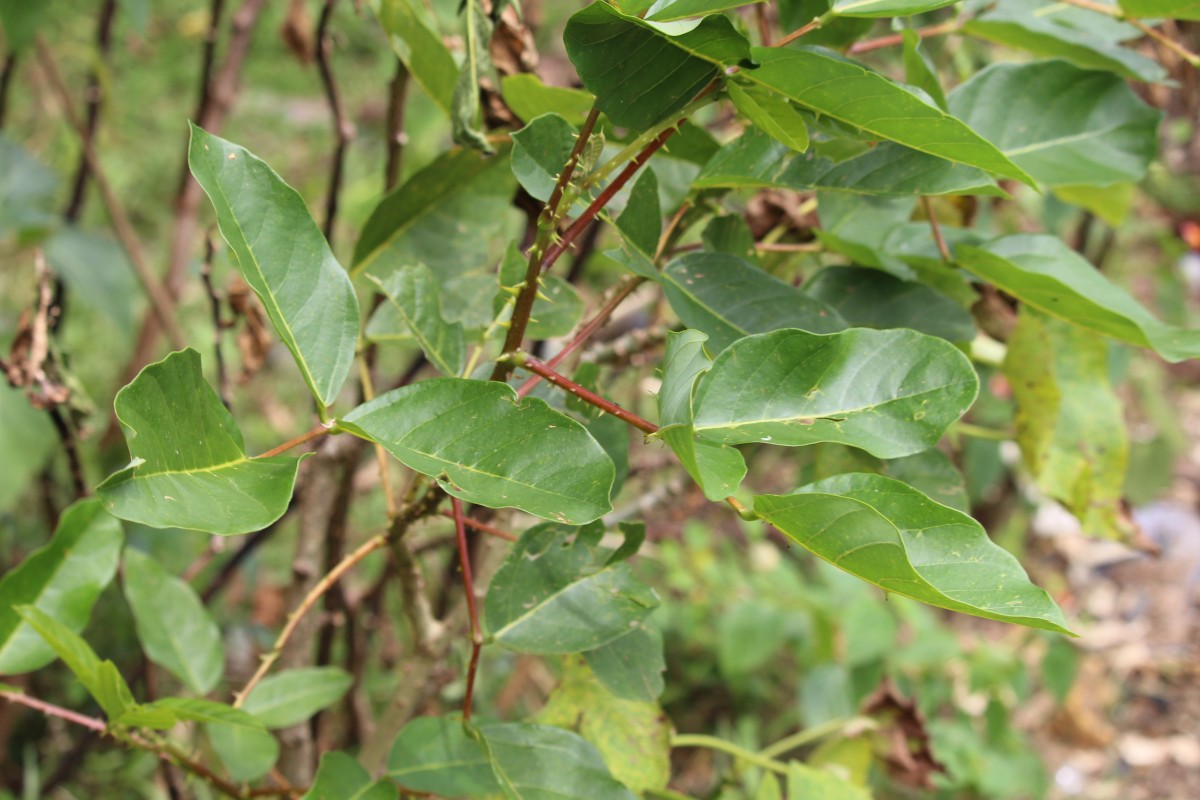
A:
(810, 735)
(713, 743)
(980, 432)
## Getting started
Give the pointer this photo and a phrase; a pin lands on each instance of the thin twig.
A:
(586, 395)
(1158, 36)
(343, 129)
(333, 576)
(764, 24)
(214, 302)
(6, 75)
(51, 710)
(396, 135)
(811, 26)
(162, 303)
(308, 436)
(568, 171)
(891, 40)
(942, 247)
(94, 98)
(482, 527)
(464, 560)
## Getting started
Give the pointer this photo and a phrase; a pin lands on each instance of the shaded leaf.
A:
(28, 188)
(892, 393)
(1070, 424)
(63, 579)
(417, 43)
(414, 300)
(891, 535)
(886, 8)
(492, 449)
(728, 298)
(27, 439)
(845, 91)
(919, 70)
(291, 697)
(636, 96)
(541, 762)
(284, 258)
(540, 150)
(873, 299)
(247, 753)
(436, 754)
(174, 627)
(551, 596)
(189, 467)
(640, 223)
(1081, 127)
(1048, 275)
(476, 66)
(340, 777)
(632, 666)
(633, 737)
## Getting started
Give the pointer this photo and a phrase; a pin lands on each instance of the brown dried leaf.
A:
(909, 754)
(254, 334)
(297, 32)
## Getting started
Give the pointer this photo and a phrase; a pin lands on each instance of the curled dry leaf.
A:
(254, 335)
(909, 753)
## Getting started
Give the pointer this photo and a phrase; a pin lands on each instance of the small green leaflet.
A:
(292, 696)
(886, 8)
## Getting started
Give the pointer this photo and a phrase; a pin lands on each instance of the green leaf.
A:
(892, 393)
(869, 298)
(293, 696)
(247, 753)
(549, 596)
(100, 678)
(487, 447)
(632, 666)
(891, 535)
(850, 93)
(27, 439)
(417, 43)
(671, 10)
(659, 74)
(1083, 127)
(806, 781)
(188, 465)
(476, 65)
(540, 150)
(886, 8)
(641, 221)
(933, 474)
(194, 709)
(1048, 275)
(28, 188)
(340, 777)
(541, 762)
(97, 271)
(728, 297)
(919, 70)
(437, 755)
(1057, 30)
(1110, 203)
(415, 302)
(1177, 9)
(63, 579)
(557, 311)
(528, 98)
(633, 737)
(717, 468)
(770, 112)
(748, 635)
(860, 229)
(1070, 424)
(174, 627)
(284, 258)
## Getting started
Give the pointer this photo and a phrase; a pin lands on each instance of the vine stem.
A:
(713, 743)
(1158, 36)
(464, 559)
(482, 527)
(310, 600)
(586, 395)
(891, 40)
(51, 710)
(943, 249)
(811, 26)
(815, 733)
(308, 436)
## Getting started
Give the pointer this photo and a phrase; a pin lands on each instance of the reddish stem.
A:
(464, 558)
(316, 432)
(588, 396)
(949, 26)
(796, 34)
(482, 527)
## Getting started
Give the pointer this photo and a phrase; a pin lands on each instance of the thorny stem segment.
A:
(586, 395)
(464, 559)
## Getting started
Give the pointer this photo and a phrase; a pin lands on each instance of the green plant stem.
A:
(810, 735)
(552, 208)
(980, 432)
(586, 395)
(318, 431)
(713, 743)
(464, 560)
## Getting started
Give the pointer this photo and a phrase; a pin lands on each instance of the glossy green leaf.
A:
(487, 447)
(528, 98)
(847, 92)
(285, 259)
(100, 678)
(727, 298)
(174, 627)
(290, 697)
(1082, 127)
(415, 301)
(188, 465)
(1053, 30)
(806, 781)
(717, 468)
(891, 535)
(1048, 275)
(886, 8)
(340, 777)
(1177, 9)
(892, 393)
(541, 762)
(549, 596)
(1070, 424)
(476, 66)
(633, 737)
(247, 753)
(417, 43)
(423, 220)
(771, 113)
(638, 94)
(62, 579)
(860, 227)
(869, 298)
(670, 10)
(632, 666)
(437, 755)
